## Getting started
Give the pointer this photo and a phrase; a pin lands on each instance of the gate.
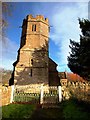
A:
(52, 97)
(24, 95)
(39, 95)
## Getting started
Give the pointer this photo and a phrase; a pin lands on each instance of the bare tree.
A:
(6, 9)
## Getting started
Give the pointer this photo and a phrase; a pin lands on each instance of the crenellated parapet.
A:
(37, 18)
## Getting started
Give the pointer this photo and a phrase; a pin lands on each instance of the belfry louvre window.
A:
(34, 27)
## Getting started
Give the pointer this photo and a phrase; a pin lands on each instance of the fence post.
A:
(41, 95)
(12, 93)
(60, 93)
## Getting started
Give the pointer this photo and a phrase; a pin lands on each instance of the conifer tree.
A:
(79, 59)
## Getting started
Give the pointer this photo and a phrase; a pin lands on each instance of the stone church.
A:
(33, 65)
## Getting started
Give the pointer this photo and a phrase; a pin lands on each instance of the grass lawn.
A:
(68, 110)
(18, 111)
(74, 110)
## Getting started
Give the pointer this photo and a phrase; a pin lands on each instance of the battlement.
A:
(37, 18)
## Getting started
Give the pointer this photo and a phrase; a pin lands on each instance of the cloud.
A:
(9, 53)
(66, 27)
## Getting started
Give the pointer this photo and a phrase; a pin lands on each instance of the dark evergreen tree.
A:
(79, 59)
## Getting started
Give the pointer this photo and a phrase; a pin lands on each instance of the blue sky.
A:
(63, 17)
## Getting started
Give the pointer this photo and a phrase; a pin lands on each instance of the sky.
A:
(63, 19)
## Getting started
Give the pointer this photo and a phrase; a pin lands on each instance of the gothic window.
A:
(31, 61)
(34, 27)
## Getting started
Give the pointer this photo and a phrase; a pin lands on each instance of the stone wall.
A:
(32, 88)
(5, 94)
(79, 90)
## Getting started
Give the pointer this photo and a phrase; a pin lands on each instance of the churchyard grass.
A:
(76, 110)
(68, 110)
(18, 111)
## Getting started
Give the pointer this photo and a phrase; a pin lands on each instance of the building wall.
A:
(54, 79)
(24, 77)
(32, 63)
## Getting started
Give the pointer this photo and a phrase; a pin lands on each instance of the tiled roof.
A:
(74, 77)
(70, 76)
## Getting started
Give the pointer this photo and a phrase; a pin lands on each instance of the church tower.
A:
(31, 66)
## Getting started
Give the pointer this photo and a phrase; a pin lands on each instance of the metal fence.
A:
(27, 97)
(51, 95)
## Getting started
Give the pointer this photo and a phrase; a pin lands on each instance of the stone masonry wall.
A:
(79, 90)
(5, 93)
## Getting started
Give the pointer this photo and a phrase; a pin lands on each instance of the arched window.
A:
(34, 27)
(31, 61)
